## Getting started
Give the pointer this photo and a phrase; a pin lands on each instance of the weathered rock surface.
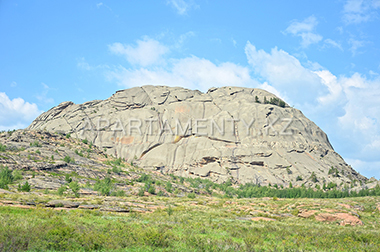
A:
(226, 133)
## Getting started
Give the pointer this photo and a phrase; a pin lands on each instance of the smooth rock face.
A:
(226, 133)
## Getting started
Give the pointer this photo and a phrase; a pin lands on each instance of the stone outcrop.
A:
(225, 133)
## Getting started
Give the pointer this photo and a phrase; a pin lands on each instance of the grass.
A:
(180, 227)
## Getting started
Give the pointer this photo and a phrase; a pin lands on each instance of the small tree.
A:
(61, 190)
(24, 188)
(257, 99)
(74, 186)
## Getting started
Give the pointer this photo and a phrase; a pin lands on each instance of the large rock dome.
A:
(242, 134)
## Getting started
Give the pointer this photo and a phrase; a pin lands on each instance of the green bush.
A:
(24, 188)
(69, 159)
(74, 186)
(17, 175)
(168, 186)
(85, 141)
(68, 135)
(61, 190)
(116, 169)
(68, 178)
(313, 177)
(191, 195)
(299, 178)
(78, 153)
(152, 189)
(6, 177)
(141, 192)
(144, 178)
(35, 144)
(3, 148)
(119, 193)
(104, 186)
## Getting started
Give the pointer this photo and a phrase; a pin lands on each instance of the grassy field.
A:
(200, 224)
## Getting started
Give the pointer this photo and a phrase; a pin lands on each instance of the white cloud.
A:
(284, 72)
(13, 84)
(42, 97)
(332, 43)
(305, 30)
(359, 11)
(355, 45)
(99, 4)
(16, 113)
(147, 51)
(82, 64)
(346, 105)
(366, 168)
(182, 6)
(191, 72)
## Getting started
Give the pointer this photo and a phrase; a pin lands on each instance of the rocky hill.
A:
(241, 134)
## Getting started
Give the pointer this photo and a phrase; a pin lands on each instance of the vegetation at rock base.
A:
(183, 224)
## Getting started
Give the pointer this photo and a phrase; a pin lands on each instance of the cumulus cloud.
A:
(16, 113)
(191, 72)
(305, 30)
(359, 11)
(147, 51)
(285, 72)
(182, 6)
(348, 106)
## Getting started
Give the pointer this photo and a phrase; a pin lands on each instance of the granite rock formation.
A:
(241, 134)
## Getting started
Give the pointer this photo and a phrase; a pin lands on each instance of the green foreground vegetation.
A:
(206, 224)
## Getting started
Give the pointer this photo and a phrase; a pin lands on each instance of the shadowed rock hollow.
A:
(226, 133)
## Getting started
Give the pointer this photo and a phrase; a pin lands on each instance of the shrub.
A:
(144, 178)
(299, 178)
(313, 177)
(334, 171)
(119, 193)
(6, 177)
(35, 144)
(79, 153)
(152, 189)
(191, 195)
(68, 135)
(141, 192)
(68, 159)
(61, 190)
(85, 141)
(68, 179)
(103, 186)
(116, 170)
(3, 148)
(168, 186)
(160, 193)
(257, 99)
(74, 186)
(24, 188)
(38, 152)
(17, 175)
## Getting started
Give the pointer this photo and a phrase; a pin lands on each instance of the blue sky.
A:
(323, 57)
